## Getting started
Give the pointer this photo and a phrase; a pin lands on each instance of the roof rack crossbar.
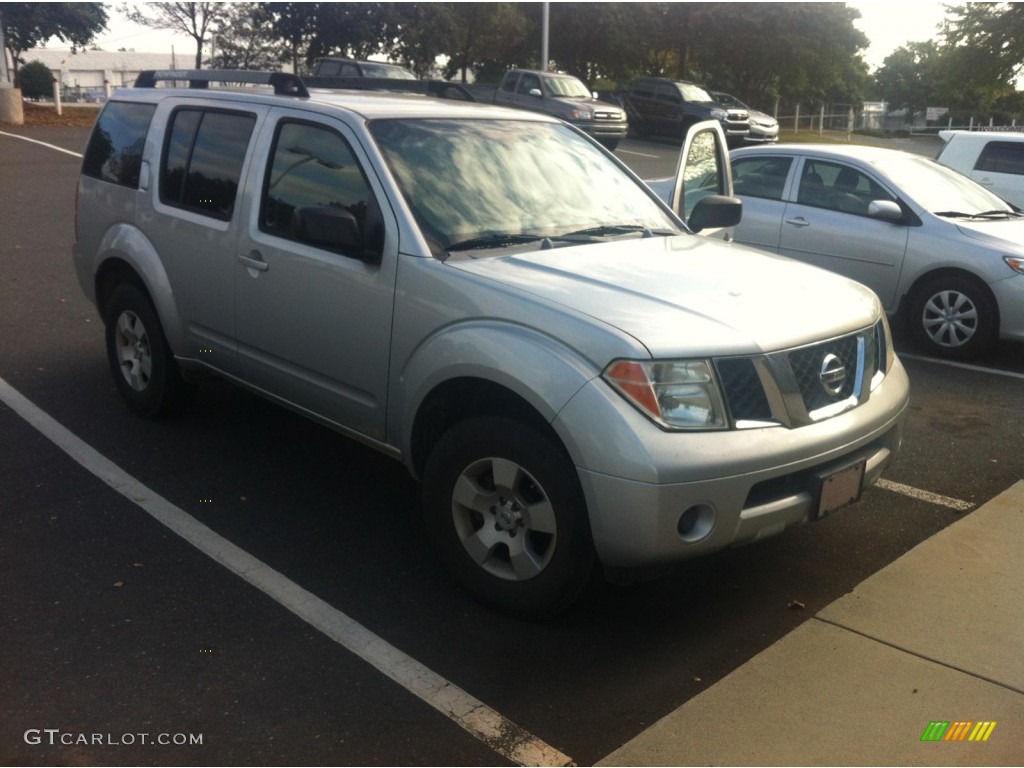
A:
(284, 83)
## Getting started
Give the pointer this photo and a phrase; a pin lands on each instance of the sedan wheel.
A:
(954, 318)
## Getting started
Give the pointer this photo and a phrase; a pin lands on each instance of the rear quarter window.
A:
(1002, 157)
(115, 147)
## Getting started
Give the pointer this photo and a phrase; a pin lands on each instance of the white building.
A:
(90, 71)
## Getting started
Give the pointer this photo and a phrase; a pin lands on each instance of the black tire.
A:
(953, 317)
(141, 362)
(610, 144)
(528, 531)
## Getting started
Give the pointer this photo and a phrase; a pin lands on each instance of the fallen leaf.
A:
(136, 565)
(796, 605)
(118, 584)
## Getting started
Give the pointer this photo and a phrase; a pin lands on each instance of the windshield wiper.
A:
(498, 240)
(984, 215)
(613, 230)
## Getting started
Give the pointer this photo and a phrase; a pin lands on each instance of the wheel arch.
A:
(128, 256)
(459, 399)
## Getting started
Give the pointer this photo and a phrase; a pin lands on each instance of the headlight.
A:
(581, 114)
(676, 394)
(1016, 263)
(719, 114)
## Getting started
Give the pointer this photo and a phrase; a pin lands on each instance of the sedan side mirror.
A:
(886, 210)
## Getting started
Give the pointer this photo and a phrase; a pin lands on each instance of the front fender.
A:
(539, 369)
(125, 244)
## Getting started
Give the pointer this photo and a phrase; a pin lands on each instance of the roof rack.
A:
(284, 84)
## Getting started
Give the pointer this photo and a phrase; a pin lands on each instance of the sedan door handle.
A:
(254, 261)
(799, 221)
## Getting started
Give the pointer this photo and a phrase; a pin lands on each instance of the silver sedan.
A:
(930, 242)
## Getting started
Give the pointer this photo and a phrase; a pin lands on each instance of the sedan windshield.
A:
(499, 183)
(941, 190)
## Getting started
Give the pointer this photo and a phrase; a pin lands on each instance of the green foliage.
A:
(246, 39)
(26, 25)
(36, 81)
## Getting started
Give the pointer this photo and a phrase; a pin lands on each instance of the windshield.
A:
(389, 71)
(567, 87)
(729, 101)
(694, 93)
(470, 179)
(939, 189)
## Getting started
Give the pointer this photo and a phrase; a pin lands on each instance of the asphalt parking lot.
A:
(362, 651)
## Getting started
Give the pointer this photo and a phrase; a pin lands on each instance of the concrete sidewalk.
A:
(938, 635)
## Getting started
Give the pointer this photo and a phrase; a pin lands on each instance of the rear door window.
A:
(203, 160)
(115, 147)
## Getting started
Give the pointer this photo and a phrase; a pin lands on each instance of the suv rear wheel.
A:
(141, 361)
(505, 505)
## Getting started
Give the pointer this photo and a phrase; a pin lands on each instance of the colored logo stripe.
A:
(982, 731)
(958, 730)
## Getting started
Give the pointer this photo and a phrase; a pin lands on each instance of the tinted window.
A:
(203, 160)
(763, 177)
(312, 169)
(1002, 157)
(115, 148)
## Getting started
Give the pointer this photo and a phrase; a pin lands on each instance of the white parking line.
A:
(964, 366)
(36, 141)
(500, 734)
(931, 498)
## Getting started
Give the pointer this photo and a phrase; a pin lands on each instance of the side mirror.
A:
(715, 212)
(536, 92)
(886, 210)
(327, 226)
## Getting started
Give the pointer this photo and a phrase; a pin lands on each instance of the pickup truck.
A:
(349, 74)
(565, 97)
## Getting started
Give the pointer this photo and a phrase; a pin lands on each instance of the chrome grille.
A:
(796, 387)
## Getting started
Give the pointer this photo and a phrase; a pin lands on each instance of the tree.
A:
(246, 39)
(992, 34)
(26, 25)
(36, 81)
(192, 19)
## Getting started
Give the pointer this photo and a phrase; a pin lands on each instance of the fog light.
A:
(696, 523)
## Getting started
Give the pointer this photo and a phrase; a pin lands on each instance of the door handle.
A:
(799, 221)
(986, 182)
(254, 261)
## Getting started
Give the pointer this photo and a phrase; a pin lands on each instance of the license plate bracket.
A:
(840, 487)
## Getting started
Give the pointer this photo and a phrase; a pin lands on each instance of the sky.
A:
(887, 25)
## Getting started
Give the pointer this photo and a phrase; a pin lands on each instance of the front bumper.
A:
(660, 497)
(604, 129)
(763, 134)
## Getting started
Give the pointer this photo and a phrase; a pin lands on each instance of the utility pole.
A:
(5, 81)
(544, 35)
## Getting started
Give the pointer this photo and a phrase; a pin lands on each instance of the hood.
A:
(688, 296)
(1002, 234)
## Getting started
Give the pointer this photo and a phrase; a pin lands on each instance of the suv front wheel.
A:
(505, 505)
(140, 360)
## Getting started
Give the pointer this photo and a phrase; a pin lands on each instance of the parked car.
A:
(336, 67)
(487, 296)
(994, 160)
(929, 241)
(662, 107)
(764, 128)
(566, 97)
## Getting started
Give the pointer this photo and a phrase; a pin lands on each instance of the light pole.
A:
(544, 33)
